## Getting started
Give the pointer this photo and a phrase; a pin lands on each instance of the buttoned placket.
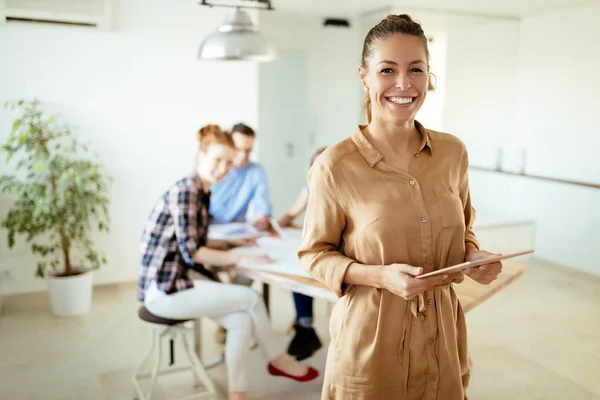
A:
(426, 308)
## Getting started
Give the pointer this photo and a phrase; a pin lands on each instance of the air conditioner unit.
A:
(89, 13)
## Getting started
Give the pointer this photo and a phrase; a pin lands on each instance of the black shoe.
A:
(304, 344)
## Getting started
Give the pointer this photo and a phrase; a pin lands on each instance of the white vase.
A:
(70, 295)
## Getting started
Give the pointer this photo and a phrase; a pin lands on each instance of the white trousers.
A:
(239, 309)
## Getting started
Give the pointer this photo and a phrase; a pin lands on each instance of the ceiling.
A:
(351, 8)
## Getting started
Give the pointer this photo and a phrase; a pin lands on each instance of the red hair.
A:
(212, 134)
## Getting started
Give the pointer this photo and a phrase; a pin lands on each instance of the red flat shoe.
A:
(309, 376)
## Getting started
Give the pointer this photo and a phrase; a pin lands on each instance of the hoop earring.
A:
(431, 86)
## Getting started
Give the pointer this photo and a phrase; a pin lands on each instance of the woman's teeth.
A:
(400, 100)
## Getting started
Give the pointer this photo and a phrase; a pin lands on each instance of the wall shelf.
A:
(538, 177)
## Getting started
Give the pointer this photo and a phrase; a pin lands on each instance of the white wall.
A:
(556, 121)
(139, 95)
(481, 83)
(335, 90)
(284, 126)
(559, 90)
(321, 92)
(333, 55)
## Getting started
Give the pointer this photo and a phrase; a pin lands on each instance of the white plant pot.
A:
(71, 295)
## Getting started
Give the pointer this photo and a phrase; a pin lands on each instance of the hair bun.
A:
(210, 129)
(211, 134)
(399, 17)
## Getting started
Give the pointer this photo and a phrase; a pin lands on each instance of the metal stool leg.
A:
(174, 333)
(198, 369)
(156, 368)
(196, 339)
(141, 365)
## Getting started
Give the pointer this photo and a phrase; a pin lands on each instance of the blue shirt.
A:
(241, 189)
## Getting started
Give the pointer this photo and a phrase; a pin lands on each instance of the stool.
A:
(174, 330)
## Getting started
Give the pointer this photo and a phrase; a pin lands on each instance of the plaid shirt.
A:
(176, 229)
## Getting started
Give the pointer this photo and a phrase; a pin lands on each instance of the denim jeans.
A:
(304, 306)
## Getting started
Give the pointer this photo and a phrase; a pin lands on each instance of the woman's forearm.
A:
(217, 244)
(364, 275)
(217, 258)
(299, 205)
(469, 248)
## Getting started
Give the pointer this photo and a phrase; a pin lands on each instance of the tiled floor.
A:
(536, 339)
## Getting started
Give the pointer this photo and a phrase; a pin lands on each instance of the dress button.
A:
(423, 219)
(432, 378)
(431, 341)
(417, 155)
(420, 317)
(428, 260)
(430, 302)
(412, 183)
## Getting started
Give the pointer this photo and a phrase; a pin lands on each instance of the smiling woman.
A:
(411, 71)
(388, 204)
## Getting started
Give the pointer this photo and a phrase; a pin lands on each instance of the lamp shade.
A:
(236, 39)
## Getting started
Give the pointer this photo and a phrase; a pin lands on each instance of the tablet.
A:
(474, 263)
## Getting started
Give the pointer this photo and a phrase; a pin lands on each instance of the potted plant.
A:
(59, 198)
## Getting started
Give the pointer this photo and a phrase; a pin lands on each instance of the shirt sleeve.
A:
(324, 224)
(261, 197)
(465, 196)
(183, 205)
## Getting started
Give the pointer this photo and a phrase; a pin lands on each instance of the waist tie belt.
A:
(414, 307)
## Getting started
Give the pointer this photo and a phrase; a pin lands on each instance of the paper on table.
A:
(293, 235)
(283, 252)
(234, 230)
(289, 267)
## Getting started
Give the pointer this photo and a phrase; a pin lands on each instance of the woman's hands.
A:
(400, 280)
(486, 273)
(248, 258)
(285, 221)
(262, 224)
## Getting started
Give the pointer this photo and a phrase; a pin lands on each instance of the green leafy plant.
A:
(60, 195)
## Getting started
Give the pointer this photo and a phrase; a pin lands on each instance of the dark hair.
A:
(390, 25)
(243, 129)
(210, 134)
